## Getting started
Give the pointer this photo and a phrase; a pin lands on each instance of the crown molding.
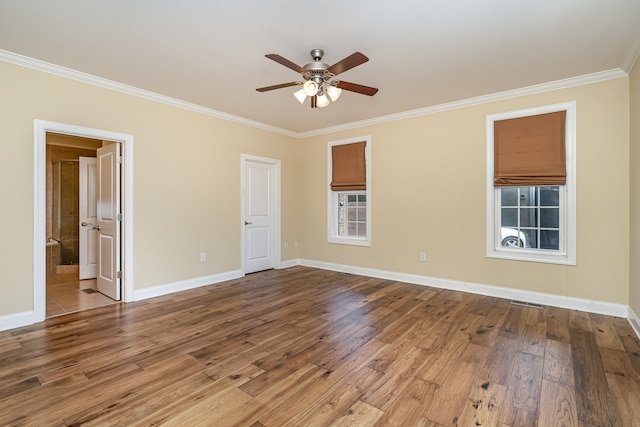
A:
(57, 70)
(484, 99)
(68, 73)
(632, 53)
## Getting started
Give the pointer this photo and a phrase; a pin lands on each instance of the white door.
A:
(259, 217)
(88, 233)
(109, 220)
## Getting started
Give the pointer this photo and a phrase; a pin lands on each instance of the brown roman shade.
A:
(530, 150)
(348, 164)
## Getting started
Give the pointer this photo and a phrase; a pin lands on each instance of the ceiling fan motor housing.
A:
(317, 70)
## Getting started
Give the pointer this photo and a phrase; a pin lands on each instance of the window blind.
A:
(530, 150)
(349, 171)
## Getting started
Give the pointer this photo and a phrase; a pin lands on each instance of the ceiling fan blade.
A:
(348, 63)
(354, 87)
(284, 61)
(280, 86)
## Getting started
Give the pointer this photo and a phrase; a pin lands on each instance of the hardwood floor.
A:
(308, 347)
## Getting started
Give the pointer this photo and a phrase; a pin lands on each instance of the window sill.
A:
(532, 256)
(353, 241)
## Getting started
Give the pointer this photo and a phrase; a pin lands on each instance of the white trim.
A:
(79, 76)
(17, 320)
(68, 73)
(567, 253)
(632, 53)
(634, 321)
(40, 128)
(289, 263)
(183, 285)
(592, 306)
(478, 100)
(332, 225)
(276, 206)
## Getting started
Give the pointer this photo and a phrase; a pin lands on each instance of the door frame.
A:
(275, 205)
(41, 128)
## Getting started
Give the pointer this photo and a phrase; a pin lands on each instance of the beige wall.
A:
(186, 179)
(634, 288)
(429, 195)
(428, 189)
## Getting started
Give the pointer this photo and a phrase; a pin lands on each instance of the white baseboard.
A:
(289, 263)
(599, 307)
(17, 320)
(634, 320)
(25, 318)
(184, 285)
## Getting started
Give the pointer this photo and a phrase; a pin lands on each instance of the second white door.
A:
(109, 220)
(259, 215)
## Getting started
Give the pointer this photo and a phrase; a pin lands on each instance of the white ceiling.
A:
(422, 52)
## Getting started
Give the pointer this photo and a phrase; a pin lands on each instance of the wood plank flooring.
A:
(309, 347)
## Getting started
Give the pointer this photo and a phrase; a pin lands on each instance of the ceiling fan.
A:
(319, 82)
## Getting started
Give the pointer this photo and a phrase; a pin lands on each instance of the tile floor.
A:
(65, 294)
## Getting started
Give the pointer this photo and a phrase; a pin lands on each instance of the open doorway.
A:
(64, 145)
(71, 246)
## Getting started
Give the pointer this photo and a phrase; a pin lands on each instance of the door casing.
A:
(41, 128)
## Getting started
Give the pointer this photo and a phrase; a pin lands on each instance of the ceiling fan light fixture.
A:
(318, 83)
(300, 95)
(310, 88)
(333, 92)
(323, 101)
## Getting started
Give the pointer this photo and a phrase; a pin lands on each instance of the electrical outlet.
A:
(423, 257)
(286, 245)
(203, 256)
(296, 244)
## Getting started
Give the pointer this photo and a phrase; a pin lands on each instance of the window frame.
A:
(332, 196)
(567, 221)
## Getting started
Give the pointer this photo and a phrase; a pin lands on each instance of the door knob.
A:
(84, 224)
(247, 222)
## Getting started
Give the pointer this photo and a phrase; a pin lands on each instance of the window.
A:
(530, 217)
(352, 214)
(531, 184)
(349, 189)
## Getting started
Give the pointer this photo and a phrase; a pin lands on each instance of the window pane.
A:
(511, 238)
(351, 198)
(353, 215)
(549, 239)
(550, 217)
(509, 217)
(362, 214)
(531, 238)
(527, 196)
(509, 196)
(528, 217)
(549, 196)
